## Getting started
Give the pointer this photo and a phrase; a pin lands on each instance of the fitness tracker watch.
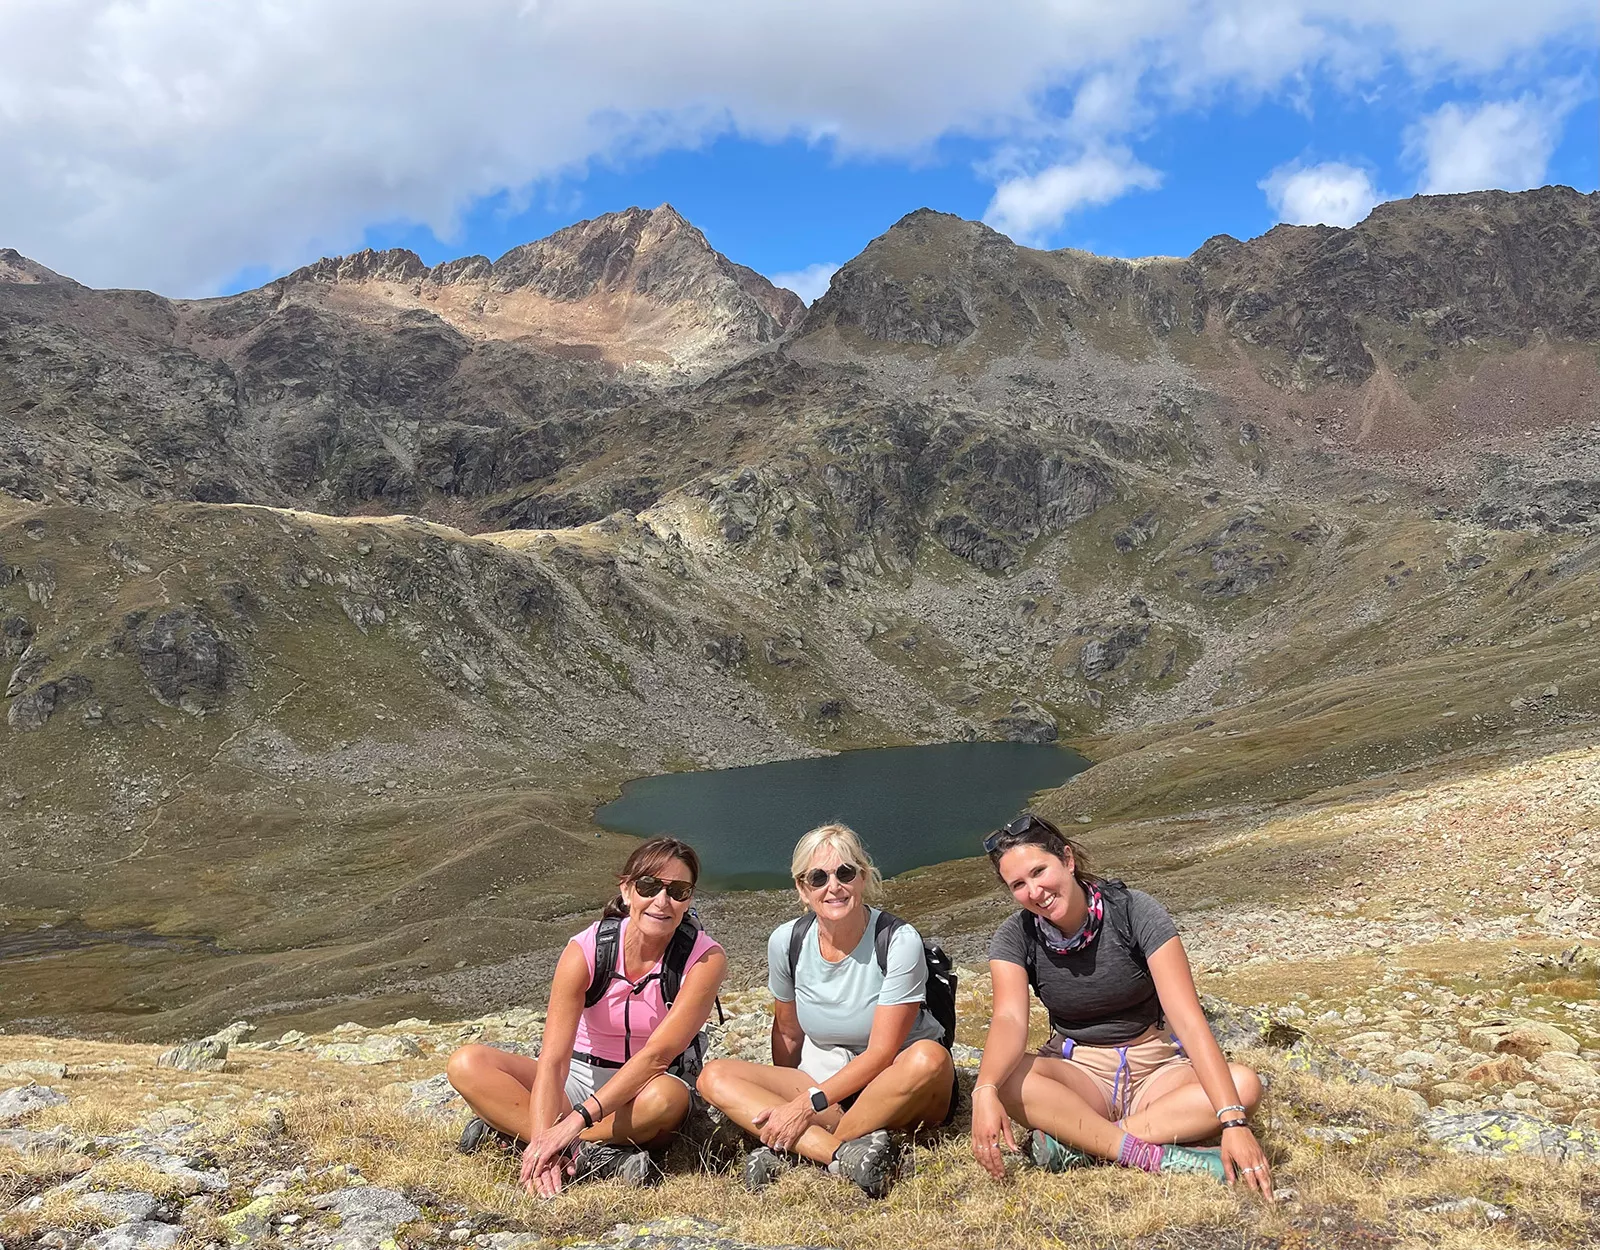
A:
(819, 1100)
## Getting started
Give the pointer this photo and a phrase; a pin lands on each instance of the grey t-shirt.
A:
(836, 1002)
(1099, 996)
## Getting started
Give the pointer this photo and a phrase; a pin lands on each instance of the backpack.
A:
(607, 948)
(940, 995)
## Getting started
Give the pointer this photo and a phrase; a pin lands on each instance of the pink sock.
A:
(1145, 1155)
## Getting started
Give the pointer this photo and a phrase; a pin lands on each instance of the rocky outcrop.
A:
(186, 663)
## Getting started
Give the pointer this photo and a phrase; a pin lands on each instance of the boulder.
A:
(1506, 1070)
(121, 1206)
(32, 1070)
(433, 1099)
(368, 1215)
(209, 1054)
(379, 1048)
(1027, 722)
(1502, 1133)
(140, 1235)
(1567, 1072)
(185, 661)
(233, 1034)
(1528, 1038)
(25, 1100)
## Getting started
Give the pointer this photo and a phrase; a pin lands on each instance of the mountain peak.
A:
(17, 269)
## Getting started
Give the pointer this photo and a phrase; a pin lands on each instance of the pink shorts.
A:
(1121, 1073)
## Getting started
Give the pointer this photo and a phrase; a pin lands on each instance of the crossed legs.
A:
(498, 1085)
(915, 1089)
(1068, 1103)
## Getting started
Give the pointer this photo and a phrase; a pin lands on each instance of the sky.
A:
(198, 147)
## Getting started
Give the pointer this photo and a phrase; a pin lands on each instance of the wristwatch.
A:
(819, 1100)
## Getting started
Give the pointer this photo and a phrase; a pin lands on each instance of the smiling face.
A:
(1042, 883)
(832, 901)
(659, 915)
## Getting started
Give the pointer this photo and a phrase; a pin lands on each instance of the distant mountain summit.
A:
(639, 287)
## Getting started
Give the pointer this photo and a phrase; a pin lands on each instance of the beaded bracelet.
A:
(1232, 1106)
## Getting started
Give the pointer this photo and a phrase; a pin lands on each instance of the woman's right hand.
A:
(545, 1162)
(991, 1129)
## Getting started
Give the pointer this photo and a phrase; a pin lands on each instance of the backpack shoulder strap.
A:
(1030, 948)
(797, 940)
(676, 961)
(1118, 906)
(605, 959)
(882, 934)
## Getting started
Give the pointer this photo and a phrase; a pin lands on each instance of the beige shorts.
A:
(1121, 1073)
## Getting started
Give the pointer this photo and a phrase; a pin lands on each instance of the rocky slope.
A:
(368, 584)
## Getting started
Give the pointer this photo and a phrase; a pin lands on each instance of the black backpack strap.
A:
(797, 940)
(605, 959)
(882, 934)
(1030, 949)
(1119, 913)
(676, 961)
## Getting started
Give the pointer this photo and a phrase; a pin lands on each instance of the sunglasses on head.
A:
(1017, 830)
(677, 891)
(818, 877)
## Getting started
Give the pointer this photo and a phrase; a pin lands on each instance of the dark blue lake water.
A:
(911, 805)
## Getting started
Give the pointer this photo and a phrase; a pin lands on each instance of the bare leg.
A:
(1174, 1108)
(1064, 1101)
(741, 1090)
(498, 1085)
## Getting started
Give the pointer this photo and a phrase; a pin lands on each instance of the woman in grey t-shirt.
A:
(1113, 1082)
(855, 1052)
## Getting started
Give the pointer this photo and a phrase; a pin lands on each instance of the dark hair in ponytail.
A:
(1044, 835)
(648, 859)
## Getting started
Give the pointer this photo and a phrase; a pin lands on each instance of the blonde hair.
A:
(843, 840)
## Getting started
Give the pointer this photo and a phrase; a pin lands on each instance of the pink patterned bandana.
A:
(1059, 943)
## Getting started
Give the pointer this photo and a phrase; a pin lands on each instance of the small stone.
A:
(378, 1048)
(1506, 1070)
(142, 1235)
(1467, 1206)
(123, 1206)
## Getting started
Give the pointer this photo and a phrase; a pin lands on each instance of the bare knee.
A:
(924, 1062)
(662, 1103)
(713, 1080)
(1248, 1084)
(466, 1067)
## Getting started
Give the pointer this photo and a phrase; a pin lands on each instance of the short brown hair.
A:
(647, 860)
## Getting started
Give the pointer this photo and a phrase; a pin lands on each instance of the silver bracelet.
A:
(1233, 1106)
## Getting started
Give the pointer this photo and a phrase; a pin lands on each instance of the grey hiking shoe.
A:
(479, 1133)
(762, 1166)
(1046, 1152)
(628, 1164)
(867, 1162)
(1206, 1161)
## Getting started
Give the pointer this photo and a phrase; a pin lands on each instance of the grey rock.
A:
(32, 1069)
(25, 1100)
(368, 1215)
(143, 1235)
(1027, 722)
(379, 1048)
(30, 711)
(434, 1099)
(233, 1034)
(191, 1179)
(1501, 1133)
(121, 1206)
(185, 661)
(1467, 1206)
(209, 1054)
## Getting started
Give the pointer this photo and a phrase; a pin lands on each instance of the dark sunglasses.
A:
(677, 891)
(1017, 830)
(818, 877)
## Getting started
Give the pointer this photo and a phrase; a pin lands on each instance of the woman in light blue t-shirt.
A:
(855, 1053)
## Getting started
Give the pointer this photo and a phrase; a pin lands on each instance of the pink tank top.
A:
(604, 1029)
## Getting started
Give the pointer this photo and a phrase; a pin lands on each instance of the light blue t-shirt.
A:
(836, 1002)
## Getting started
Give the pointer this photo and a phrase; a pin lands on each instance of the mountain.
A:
(333, 608)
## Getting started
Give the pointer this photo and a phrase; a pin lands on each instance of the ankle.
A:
(1137, 1153)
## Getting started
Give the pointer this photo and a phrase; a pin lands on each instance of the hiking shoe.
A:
(1207, 1161)
(1046, 1152)
(867, 1162)
(602, 1161)
(478, 1132)
(762, 1166)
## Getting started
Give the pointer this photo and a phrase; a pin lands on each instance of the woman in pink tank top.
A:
(611, 1083)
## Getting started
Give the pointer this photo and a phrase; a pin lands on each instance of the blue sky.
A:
(202, 146)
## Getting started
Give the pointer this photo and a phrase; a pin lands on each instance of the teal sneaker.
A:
(1207, 1161)
(1046, 1152)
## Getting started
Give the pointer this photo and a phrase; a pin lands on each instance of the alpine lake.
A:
(912, 806)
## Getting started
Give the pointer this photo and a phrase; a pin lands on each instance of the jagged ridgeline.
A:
(331, 609)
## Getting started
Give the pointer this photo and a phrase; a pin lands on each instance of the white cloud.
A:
(1329, 194)
(171, 143)
(1503, 144)
(1030, 206)
(810, 283)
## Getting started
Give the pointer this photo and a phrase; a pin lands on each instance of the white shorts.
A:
(822, 1062)
(585, 1079)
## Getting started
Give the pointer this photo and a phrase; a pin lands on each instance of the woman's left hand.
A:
(1243, 1159)
(782, 1126)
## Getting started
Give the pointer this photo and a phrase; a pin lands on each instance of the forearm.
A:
(629, 1080)
(1002, 1050)
(786, 1048)
(856, 1075)
(548, 1102)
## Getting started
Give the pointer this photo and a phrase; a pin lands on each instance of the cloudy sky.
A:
(200, 146)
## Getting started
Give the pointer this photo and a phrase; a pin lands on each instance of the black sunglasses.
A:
(818, 877)
(677, 891)
(1018, 829)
